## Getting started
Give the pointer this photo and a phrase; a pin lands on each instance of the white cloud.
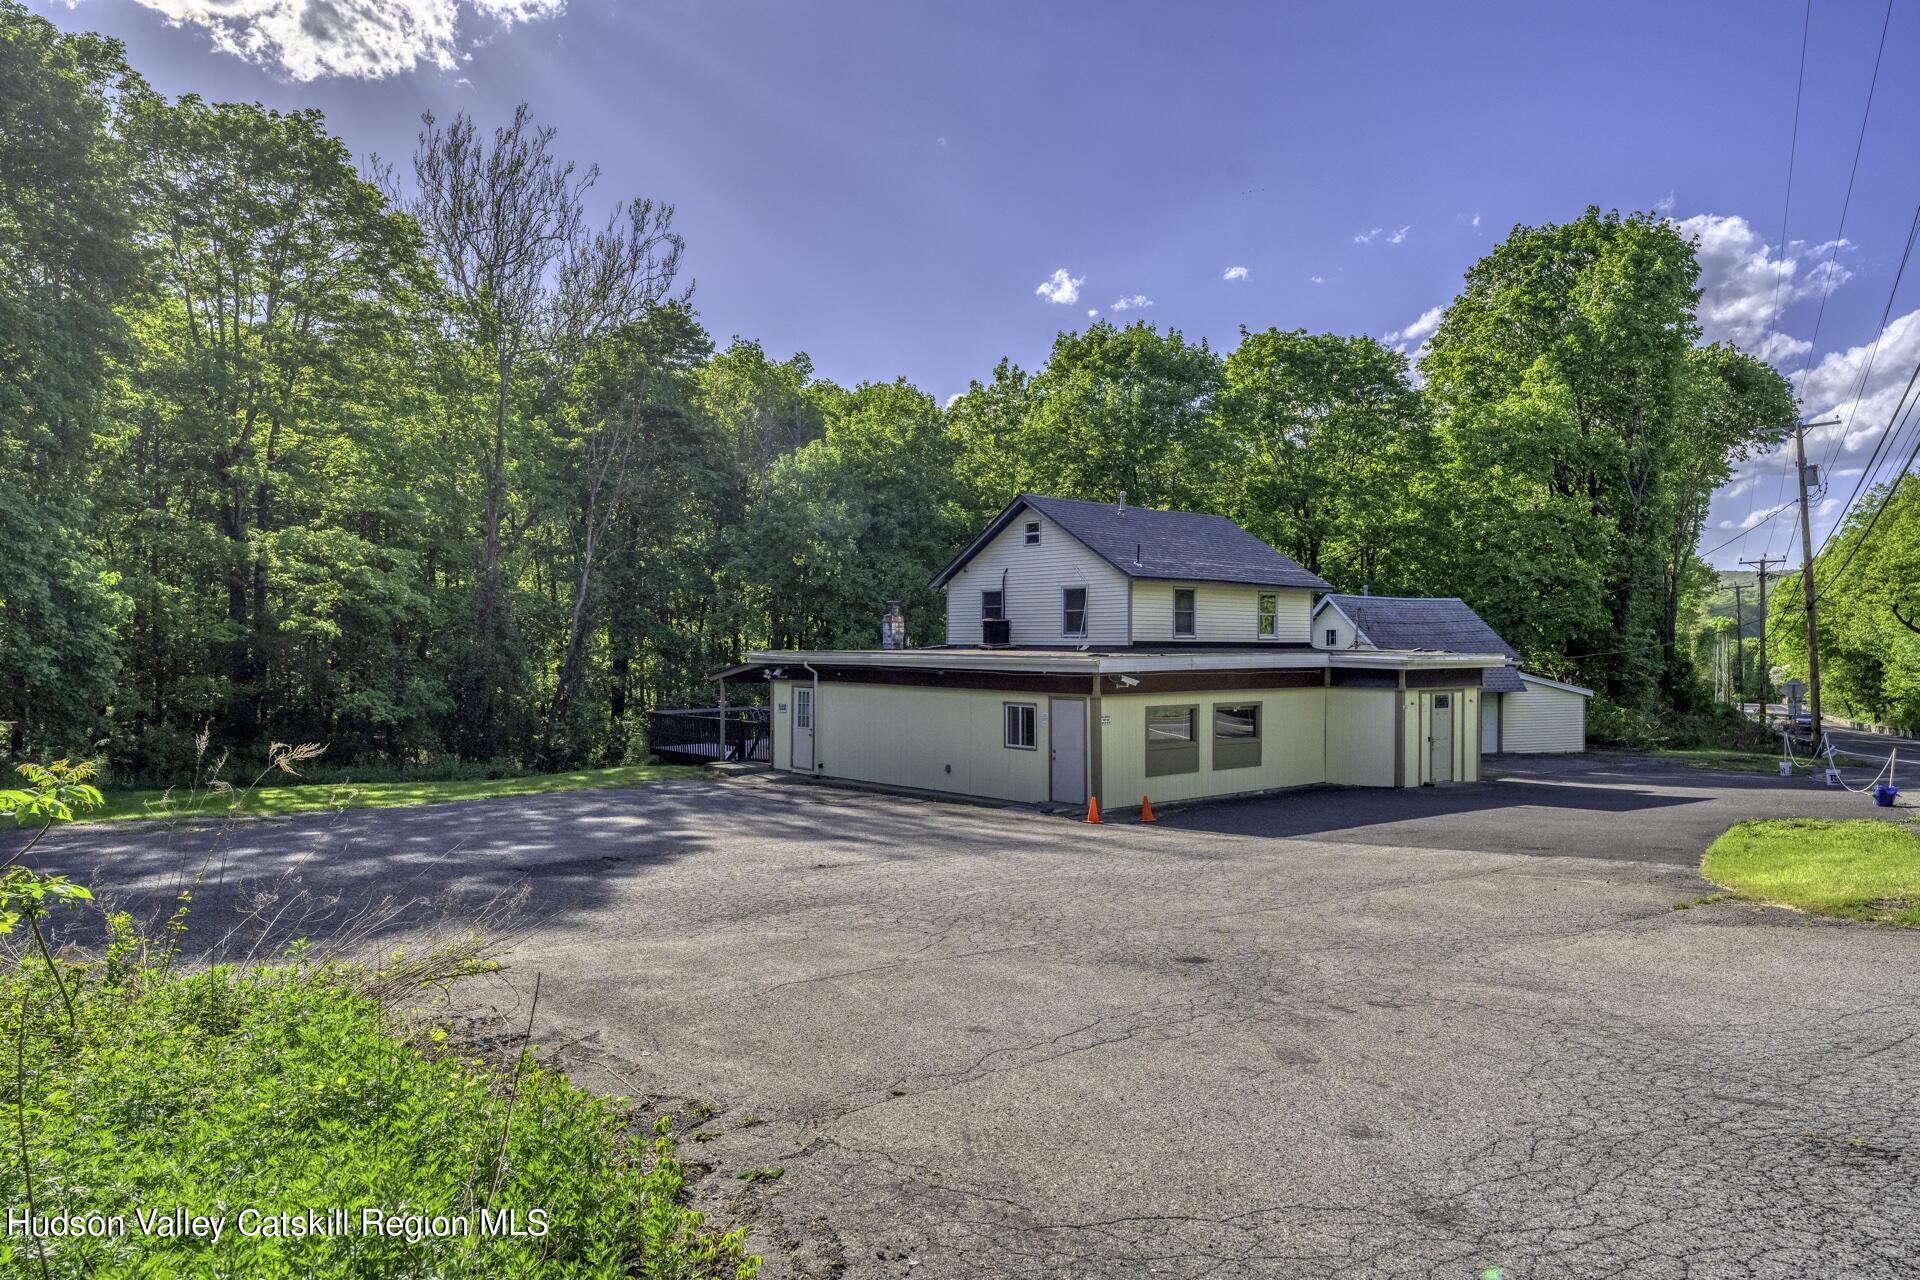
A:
(1744, 286)
(1135, 303)
(1476, 219)
(1664, 204)
(1366, 237)
(1061, 288)
(364, 39)
(1234, 273)
(1416, 334)
(1318, 279)
(1399, 234)
(1093, 311)
(1838, 385)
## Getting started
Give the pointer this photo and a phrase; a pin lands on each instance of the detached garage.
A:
(1522, 712)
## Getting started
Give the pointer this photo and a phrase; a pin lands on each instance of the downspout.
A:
(815, 730)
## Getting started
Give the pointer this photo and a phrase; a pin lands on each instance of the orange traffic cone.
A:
(1146, 810)
(1093, 809)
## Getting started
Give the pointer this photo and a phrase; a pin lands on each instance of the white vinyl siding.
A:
(1221, 612)
(1330, 619)
(1036, 575)
(1544, 719)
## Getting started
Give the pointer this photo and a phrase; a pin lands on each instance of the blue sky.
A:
(889, 186)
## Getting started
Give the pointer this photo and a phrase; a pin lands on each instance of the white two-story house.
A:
(1111, 652)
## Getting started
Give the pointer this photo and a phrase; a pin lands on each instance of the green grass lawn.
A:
(1861, 869)
(291, 1089)
(1720, 758)
(316, 796)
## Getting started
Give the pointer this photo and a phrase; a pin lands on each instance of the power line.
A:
(1786, 207)
(1860, 387)
(1833, 248)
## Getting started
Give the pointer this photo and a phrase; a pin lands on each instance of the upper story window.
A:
(1269, 616)
(1033, 533)
(993, 605)
(1333, 637)
(1183, 612)
(1073, 611)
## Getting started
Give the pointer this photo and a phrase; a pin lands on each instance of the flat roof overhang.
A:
(1089, 663)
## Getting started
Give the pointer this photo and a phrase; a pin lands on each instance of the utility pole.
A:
(1740, 652)
(1806, 576)
(1763, 564)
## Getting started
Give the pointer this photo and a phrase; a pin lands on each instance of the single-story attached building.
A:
(1519, 711)
(1114, 652)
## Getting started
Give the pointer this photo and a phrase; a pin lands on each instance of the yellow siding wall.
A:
(780, 720)
(1359, 738)
(1292, 730)
(1418, 710)
(933, 739)
(1220, 612)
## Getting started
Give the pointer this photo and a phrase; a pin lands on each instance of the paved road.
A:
(1348, 1034)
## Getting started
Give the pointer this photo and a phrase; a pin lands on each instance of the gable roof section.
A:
(1173, 546)
(1420, 622)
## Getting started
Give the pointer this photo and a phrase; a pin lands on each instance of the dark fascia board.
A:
(987, 535)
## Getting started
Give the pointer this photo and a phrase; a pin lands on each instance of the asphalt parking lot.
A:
(1331, 1034)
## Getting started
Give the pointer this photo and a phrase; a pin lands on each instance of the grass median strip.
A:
(318, 797)
(1859, 869)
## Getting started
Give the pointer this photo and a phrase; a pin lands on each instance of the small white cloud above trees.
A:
(1416, 334)
(1134, 303)
(1061, 288)
(1234, 273)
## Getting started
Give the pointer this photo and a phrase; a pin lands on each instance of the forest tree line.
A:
(427, 462)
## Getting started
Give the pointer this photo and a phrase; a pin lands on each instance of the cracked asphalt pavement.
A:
(1327, 1034)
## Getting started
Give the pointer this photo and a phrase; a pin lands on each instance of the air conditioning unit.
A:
(996, 633)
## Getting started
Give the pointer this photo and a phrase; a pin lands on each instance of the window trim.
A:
(1237, 752)
(1266, 615)
(1000, 614)
(1031, 533)
(1032, 725)
(1193, 613)
(1175, 757)
(1066, 612)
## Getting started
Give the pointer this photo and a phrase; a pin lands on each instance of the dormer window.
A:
(1073, 611)
(1183, 613)
(1033, 533)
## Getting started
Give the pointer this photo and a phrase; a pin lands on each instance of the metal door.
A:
(802, 751)
(1440, 739)
(1067, 736)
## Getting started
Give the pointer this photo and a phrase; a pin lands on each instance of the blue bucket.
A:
(1883, 795)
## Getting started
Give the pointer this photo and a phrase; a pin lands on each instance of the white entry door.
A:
(803, 729)
(1067, 733)
(1440, 739)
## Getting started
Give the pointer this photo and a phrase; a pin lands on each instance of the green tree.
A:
(1128, 409)
(1578, 428)
(71, 255)
(1332, 446)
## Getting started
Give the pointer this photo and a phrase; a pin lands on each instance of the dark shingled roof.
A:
(1502, 680)
(1174, 546)
(1421, 622)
